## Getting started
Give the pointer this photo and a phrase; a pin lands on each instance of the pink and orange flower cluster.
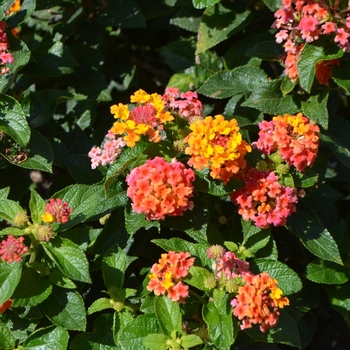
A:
(159, 188)
(294, 137)
(301, 21)
(56, 211)
(166, 275)
(12, 249)
(257, 297)
(264, 200)
(5, 56)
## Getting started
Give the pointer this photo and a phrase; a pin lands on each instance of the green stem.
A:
(203, 301)
(34, 247)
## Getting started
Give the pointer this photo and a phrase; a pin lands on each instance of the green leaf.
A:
(120, 320)
(341, 75)
(287, 86)
(7, 341)
(249, 229)
(41, 105)
(36, 206)
(268, 98)
(132, 335)
(288, 280)
(218, 24)
(50, 338)
(84, 200)
(201, 4)
(51, 59)
(323, 197)
(197, 277)
(178, 55)
(310, 55)
(10, 274)
(306, 225)
(100, 339)
(9, 209)
(134, 221)
(179, 245)
(267, 51)
(32, 289)
(327, 272)
(258, 241)
(337, 139)
(168, 315)
(225, 84)
(113, 268)
(40, 154)
(339, 298)
(315, 108)
(190, 340)
(156, 342)
(69, 258)
(286, 332)
(123, 13)
(59, 279)
(99, 305)
(65, 308)
(273, 5)
(13, 121)
(217, 314)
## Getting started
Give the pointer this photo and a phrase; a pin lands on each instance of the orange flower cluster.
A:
(147, 118)
(158, 188)
(166, 276)
(258, 301)
(217, 144)
(293, 136)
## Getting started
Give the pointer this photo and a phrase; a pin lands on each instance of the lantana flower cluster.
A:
(257, 297)
(217, 144)
(258, 301)
(146, 118)
(184, 104)
(159, 188)
(264, 200)
(108, 152)
(294, 137)
(5, 56)
(56, 211)
(305, 21)
(166, 275)
(12, 249)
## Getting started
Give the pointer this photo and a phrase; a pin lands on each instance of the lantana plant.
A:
(174, 174)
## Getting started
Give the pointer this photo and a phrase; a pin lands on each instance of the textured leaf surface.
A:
(50, 338)
(306, 225)
(218, 24)
(32, 289)
(65, 308)
(10, 275)
(288, 280)
(327, 272)
(69, 258)
(168, 315)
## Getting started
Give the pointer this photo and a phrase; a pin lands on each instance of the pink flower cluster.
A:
(306, 20)
(257, 301)
(264, 200)
(56, 210)
(185, 104)
(5, 57)
(227, 263)
(166, 276)
(110, 150)
(158, 188)
(294, 137)
(12, 249)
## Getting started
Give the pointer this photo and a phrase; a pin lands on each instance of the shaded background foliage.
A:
(73, 60)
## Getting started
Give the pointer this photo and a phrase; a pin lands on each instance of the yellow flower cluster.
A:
(147, 117)
(217, 144)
